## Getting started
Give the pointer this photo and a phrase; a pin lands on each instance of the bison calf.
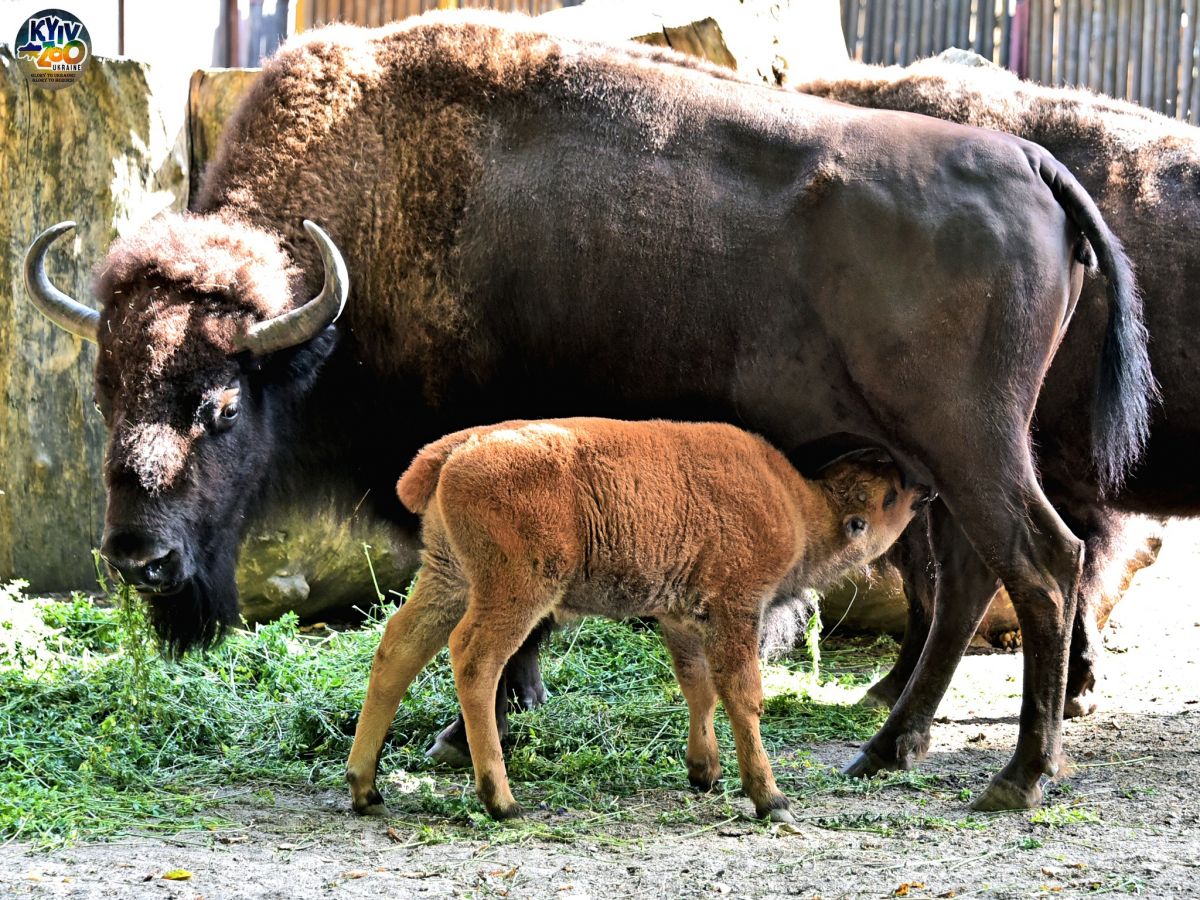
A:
(697, 525)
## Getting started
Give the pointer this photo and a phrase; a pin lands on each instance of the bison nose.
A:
(142, 562)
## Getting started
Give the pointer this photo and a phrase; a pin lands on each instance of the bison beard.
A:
(199, 616)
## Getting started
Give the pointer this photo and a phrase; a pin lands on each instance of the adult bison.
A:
(539, 227)
(1144, 171)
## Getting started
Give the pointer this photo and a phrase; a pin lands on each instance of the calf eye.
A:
(889, 499)
(856, 527)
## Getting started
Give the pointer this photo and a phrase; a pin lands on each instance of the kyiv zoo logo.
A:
(53, 47)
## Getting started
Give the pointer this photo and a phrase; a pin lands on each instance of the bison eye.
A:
(856, 527)
(889, 499)
(225, 411)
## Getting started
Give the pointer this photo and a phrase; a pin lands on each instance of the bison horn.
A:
(306, 322)
(56, 306)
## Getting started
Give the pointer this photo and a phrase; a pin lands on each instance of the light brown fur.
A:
(696, 525)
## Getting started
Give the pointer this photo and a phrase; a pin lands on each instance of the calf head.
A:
(202, 364)
(870, 505)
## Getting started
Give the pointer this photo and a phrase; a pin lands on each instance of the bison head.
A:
(204, 356)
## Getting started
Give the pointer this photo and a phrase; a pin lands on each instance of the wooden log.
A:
(97, 152)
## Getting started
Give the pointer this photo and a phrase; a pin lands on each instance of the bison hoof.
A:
(1080, 706)
(877, 697)
(1002, 795)
(530, 696)
(447, 753)
(869, 763)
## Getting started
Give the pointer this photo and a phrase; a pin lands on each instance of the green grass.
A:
(101, 736)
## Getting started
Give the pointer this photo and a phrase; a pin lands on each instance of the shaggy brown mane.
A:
(243, 270)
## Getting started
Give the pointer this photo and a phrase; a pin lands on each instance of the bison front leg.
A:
(520, 683)
(913, 558)
(695, 681)
(731, 647)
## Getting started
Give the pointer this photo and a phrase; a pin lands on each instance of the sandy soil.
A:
(1127, 819)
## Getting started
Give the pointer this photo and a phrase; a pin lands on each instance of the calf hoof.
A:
(1080, 706)
(447, 752)
(703, 777)
(775, 810)
(1002, 795)
(368, 804)
(365, 802)
(505, 813)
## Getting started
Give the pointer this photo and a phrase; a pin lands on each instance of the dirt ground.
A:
(1126, 821)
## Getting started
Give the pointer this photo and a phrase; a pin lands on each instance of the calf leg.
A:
(695, 681)
(413, 636)
(499, 618)
(520, 683)
(731, 647)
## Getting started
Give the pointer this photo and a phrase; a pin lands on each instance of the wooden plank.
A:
(1194, 96)
(938, 43)
(1187, 62)
(868, 28)
(1159, 69)
(888, 31)
(1006, 35)
(927, 29)
(1171, 77)
(964, 37)
(987, 26)
(1133, 65)
(1068, 17)
(1035, 39)
(1145, 94)
(1108, 70)
(1048, 19)
(1083, 43)
(1120, 85)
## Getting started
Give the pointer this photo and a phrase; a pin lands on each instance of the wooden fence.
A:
(1140, 50)
(379, 12)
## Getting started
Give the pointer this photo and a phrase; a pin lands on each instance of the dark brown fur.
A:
(1143, 169)
(536, 226)
(695, 525)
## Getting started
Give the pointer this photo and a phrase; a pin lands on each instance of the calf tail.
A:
(1125, 390)
(419, 482)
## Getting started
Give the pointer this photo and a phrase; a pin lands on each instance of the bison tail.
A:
(1125, 387)
(419, 482)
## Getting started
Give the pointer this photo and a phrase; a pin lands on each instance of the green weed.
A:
(99, 735)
